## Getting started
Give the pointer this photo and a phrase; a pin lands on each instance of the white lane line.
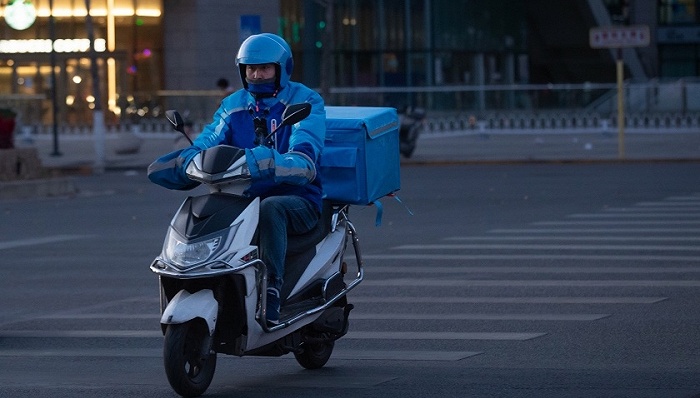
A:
(501, 257)
(695, 197)
(644, 215)
(577, 238)
(158, 353)
(81, 333)
(669, 204)
(155, 317)
(641, 210)
(357, 335)
(350, 335)
(594, 230)
(479, 317)
(505, 300)
(616, 222)
(403, 355)
(356, 315)
(530, 283)
(527, 270)
(495, 246)
(11, 244)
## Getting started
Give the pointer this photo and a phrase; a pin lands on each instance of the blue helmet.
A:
(266, 48)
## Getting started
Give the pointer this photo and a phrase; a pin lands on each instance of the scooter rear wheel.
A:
(189, 373)
(315, 355)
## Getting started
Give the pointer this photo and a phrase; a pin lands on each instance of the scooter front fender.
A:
(187, 306)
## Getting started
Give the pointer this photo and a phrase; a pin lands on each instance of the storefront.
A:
(128, 49)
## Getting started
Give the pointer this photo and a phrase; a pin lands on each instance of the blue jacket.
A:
(291, 167)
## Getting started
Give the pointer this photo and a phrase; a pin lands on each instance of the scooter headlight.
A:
(190, 254)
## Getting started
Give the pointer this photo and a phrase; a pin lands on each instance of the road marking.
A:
(500, 257)
(158, 353)
(692, 196)
(579, 238)
(594, 230)
(81, 333)
(154, 316)
(530, 283)
(629, 215)
(506, 300)
(352, 335)
(669, 204)
(496, 246)
(11, 244)
(479, 317)
(356, 315)
(669, 210)
(86, 353)
(528, 270)
(442, 336)
(403, 355)
(617, 222)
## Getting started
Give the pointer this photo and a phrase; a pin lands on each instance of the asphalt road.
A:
(519, 280)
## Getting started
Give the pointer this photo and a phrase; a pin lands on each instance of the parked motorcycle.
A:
(412, 122)
(213, 283)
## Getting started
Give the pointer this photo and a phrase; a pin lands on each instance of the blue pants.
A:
(281, 216)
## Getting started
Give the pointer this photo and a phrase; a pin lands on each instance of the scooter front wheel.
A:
(315, 355)
(189, 371)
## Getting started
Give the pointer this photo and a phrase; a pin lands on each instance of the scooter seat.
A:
(298, 244)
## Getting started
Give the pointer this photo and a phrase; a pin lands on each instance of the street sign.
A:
(619, 36)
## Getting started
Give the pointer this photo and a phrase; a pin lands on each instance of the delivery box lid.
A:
(376, 120)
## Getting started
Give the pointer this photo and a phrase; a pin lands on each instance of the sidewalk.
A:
(77, 155)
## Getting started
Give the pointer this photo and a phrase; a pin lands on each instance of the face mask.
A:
(262, 87)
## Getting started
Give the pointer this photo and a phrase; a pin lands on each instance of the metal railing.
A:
(652, 104)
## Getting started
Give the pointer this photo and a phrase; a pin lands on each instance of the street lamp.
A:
(20, 14)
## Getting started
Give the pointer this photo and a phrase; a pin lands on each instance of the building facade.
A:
(147, 50)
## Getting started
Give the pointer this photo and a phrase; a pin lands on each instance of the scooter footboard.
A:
(186, 306)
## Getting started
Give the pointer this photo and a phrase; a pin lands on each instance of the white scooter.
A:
(213, 284)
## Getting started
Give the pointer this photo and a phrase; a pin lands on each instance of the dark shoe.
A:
(273, 306)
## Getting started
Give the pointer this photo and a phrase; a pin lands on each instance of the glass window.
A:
(674, 12)
(679, 60)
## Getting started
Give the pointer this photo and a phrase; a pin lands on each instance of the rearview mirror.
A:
(295, 113)
(177, 121)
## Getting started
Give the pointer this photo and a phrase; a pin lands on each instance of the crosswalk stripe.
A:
(479, 317)
(578, 238)
(338, 354)
(641, 210)
(505, 300)
(635, 215)
(505, 246)
(399, 335)
(594, 230)
(356, 315)
(618, 222)
(527, 270)
(39, 241)
(442, 336)
(691, 203)
(501, 257)
(405, 282)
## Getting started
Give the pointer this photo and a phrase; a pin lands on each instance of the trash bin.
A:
(7, 128)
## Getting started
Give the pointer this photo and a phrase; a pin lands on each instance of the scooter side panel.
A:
(186, 306)
(323, 266)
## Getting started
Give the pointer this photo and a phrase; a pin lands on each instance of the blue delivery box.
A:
(360, 159)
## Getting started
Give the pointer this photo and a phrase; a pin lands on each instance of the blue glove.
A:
(261, 163)
(169, 170)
